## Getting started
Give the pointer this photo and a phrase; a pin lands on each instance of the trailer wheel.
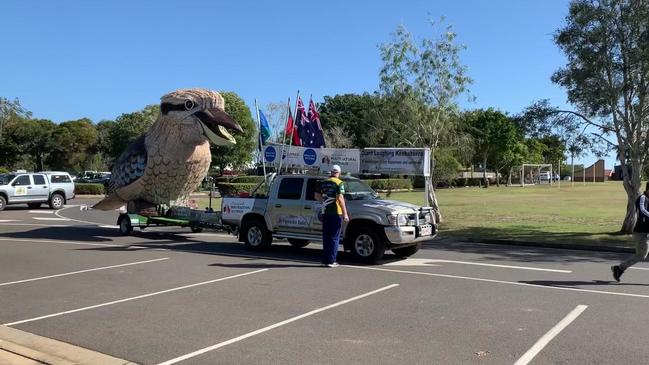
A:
(125, 227)
(367, 245)
(256, 235)
(298, 243)
(406, 251)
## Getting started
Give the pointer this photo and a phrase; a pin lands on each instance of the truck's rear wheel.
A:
(406, 251)
(298, 243)
(367, 245)
(57, 201)
(255, 235)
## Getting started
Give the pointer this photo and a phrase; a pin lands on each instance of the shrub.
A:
(389, 184)
(89, 189)
(247, 179)
(4, 170)
(235, 188)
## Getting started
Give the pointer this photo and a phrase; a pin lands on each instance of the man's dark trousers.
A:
(331, 226)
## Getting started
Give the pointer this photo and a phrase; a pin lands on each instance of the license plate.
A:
(425, 230)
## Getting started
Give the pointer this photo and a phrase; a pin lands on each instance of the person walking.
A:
(640, 232)
(334, 211)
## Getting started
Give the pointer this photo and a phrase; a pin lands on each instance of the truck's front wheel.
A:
(256, 235)
(3, 203)
(367, 245)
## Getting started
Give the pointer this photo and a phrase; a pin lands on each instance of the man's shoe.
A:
(617, 272)
(335, 264)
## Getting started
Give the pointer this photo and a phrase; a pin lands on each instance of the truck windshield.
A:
(5, 178)
(358, 190)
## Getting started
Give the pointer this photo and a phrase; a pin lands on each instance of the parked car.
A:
(290, 211)
(34, 189)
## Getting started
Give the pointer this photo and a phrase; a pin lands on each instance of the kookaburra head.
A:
(197, 115)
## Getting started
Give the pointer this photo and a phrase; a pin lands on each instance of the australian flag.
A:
(314, 118)
(310, 134)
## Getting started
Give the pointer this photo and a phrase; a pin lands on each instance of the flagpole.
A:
(281, 157)
(261, 144)
(290, 143)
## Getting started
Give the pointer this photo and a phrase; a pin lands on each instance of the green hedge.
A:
(89, 189)
(235, 188)
(247, 179)
(389, 184)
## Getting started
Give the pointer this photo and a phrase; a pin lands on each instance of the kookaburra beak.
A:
(216, 124)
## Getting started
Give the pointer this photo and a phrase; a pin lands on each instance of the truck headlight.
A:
(397, 219)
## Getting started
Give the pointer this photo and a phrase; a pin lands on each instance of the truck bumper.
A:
(407, 234)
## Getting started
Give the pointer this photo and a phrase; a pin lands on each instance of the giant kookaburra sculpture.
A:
(172, 158)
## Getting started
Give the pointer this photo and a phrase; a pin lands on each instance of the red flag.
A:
(291, 128)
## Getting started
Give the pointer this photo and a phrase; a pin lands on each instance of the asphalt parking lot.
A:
(171, 296)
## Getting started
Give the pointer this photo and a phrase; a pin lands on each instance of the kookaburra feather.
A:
(172, 158)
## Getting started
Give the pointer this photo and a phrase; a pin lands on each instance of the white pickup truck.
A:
(287, 209)
(36, 188)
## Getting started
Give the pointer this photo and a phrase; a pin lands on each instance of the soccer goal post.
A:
(533, 174)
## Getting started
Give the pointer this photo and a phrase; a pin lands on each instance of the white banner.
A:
(306, 158)
(398, 161)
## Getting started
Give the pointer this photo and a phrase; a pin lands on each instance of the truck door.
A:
(286, 210)
(40, 190)
(20, 189)
(312, 207)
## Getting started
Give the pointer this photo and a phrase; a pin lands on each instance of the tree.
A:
(494, 135)
(11, 114)
(607, 79)
(422, 82)
(130, 126)
(34, 138)
(73, 146)
(360, 117)
(237, 155)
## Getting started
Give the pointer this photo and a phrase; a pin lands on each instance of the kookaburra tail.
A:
(172, 158)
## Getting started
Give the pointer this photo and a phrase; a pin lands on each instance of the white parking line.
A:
(7, 220)
(268, 328)
(50, 219)
(82, 271)
(543, 341)
(42, 211)
(75, 220)
(132, 298)
(62, 242)
(500, 281)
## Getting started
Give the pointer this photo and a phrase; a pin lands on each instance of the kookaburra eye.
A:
(189, 105)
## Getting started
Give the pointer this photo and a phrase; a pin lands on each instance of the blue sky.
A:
(69, 59)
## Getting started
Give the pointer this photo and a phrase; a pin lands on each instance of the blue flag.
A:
(264, 129)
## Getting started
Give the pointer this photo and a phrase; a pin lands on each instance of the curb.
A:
(563, 246)
(33, 349)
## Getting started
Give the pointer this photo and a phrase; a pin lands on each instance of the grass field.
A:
(583, 214)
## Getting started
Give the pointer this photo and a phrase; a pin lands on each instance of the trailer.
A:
(175, 216)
